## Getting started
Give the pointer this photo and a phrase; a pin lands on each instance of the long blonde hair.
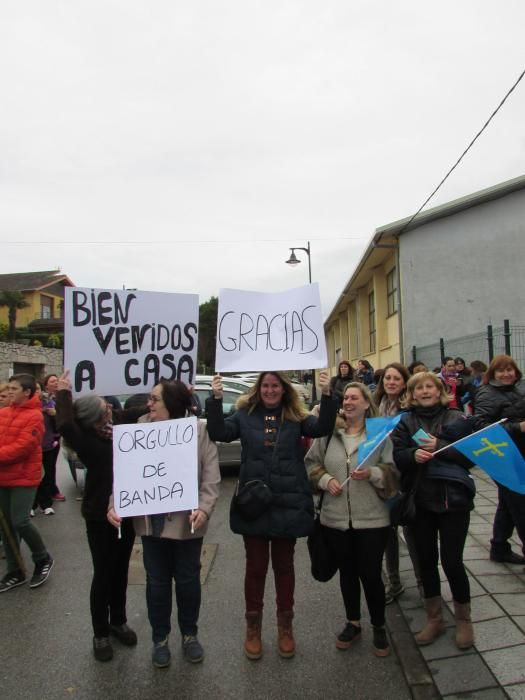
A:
(291, 402)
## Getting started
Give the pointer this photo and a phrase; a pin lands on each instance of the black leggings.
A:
(360, 557)
(452, 528)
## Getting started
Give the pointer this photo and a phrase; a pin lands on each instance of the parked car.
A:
(229, 452)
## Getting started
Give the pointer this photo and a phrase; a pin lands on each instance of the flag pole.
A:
(467, 437)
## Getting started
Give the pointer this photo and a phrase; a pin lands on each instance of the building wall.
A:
(348, 333)
(462, 272)
(32, 312)
(35, 360)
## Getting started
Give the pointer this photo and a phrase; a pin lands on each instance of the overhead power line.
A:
(467, 149)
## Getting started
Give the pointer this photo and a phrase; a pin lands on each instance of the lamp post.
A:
(293, 260)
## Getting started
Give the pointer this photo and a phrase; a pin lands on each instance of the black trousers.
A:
(450, 529)
(46, 489)
(509, 514)
(110, 557)
(360, 557)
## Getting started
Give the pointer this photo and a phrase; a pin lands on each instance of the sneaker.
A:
(42, 571)
(192, 649)
(348, 636)
(12, 580)
(124, 634)
(48, 511)
(392, 592)
(161, 654)
(102, 649)
(381, 645)
(59, 497)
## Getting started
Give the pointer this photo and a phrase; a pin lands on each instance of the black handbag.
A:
(402, 508)
(323, 562)
(252, 499)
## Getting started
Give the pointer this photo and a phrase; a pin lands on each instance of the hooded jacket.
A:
(21, 432)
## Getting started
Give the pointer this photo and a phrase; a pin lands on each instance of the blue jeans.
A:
(164, 560)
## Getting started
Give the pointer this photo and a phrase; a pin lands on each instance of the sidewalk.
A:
(495, 667)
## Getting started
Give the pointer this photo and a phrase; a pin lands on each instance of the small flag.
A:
(495, 452)
(377, 431)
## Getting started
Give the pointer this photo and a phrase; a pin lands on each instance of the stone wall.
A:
(36, 360)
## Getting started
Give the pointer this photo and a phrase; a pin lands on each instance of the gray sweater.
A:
(361, 504)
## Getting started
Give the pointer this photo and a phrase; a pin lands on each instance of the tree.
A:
(207, 332)
(13, 301)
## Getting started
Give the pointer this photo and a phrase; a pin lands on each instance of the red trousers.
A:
(257, 559)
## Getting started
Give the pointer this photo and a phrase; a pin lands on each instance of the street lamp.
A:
(293, 260)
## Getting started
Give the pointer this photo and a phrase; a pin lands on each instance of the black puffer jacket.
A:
(444, 482)
(291, 512)
(495, 401)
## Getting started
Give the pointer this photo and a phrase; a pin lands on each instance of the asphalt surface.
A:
(47, 635)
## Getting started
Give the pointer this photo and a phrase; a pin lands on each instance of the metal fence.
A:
(508, 339)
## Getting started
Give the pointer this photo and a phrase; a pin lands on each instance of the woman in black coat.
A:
(502, 395)
(86, 426)
(444, 495)
(270, 422)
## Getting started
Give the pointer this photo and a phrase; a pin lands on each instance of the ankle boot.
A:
(285, 633)
(435, 625)
(464, 631)
(253, 643)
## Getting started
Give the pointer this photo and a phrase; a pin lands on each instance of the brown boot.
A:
(435, 625)
(464, 631)
(253, 644)
(285, 632)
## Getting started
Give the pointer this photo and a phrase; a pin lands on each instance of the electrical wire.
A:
(467, 149)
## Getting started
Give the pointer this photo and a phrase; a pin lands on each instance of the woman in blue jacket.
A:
(270, 422)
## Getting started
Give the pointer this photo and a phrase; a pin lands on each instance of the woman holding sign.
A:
(172, 542)
(443, 495)
(86, 426)
(274, 503)
(353, 514)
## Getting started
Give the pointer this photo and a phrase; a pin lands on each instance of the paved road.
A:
(46, 646)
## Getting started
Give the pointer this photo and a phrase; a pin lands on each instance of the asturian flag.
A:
(495, 452)
(377, 431)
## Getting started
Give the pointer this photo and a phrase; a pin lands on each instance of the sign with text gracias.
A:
(260, 331)
(155, 467)
(123, 342)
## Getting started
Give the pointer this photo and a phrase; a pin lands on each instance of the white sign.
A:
(155, 467)
(257, 331)
(123, 342)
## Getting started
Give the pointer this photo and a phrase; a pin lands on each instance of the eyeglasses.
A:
(154, 399)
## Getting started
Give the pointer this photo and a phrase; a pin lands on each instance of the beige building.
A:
(364, 323)
(442, 277)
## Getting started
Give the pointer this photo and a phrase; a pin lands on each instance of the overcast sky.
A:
(185, 146)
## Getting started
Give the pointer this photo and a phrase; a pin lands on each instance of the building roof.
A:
(33, 281)
(386, 236)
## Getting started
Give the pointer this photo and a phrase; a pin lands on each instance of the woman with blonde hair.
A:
(270, 422)
(443, 493)
(354, 517)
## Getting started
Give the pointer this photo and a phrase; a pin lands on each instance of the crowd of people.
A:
(273, 504)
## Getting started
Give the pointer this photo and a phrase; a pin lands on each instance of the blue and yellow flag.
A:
(494, 451)
(377, 431)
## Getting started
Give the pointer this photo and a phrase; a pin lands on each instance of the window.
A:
(46, 307)
(391, 292)
(372, 321)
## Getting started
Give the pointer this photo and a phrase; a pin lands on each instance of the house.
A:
(44, 293)
(447, 274)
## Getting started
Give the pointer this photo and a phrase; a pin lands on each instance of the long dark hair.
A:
(380, 389)
(176, 397)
